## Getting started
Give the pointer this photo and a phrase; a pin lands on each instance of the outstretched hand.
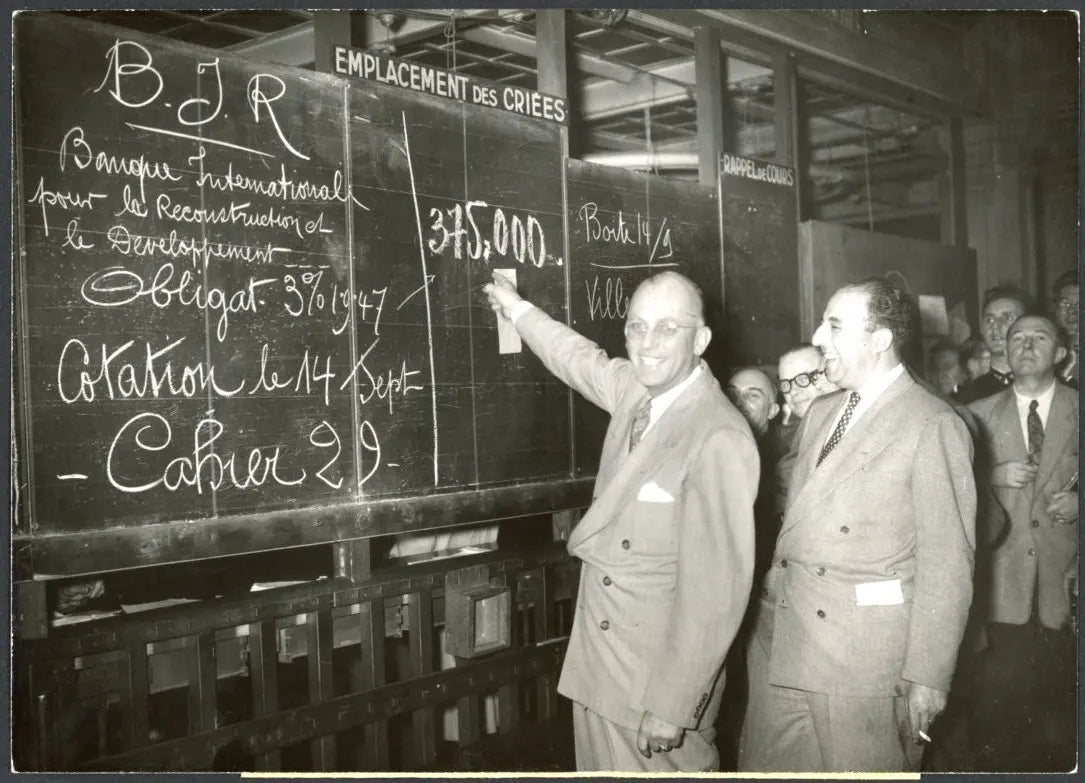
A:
(501, 295)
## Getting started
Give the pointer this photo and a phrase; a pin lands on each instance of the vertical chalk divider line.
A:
(425, 291)
(24, 420)
(567, 266)
(352, 336)
(470, 317)
(204, 280)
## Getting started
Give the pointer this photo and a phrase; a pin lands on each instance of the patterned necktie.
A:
(838, 433)
(1035, 434)
(640, 424)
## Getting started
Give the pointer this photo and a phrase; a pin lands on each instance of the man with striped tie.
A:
(864, 606)
(1031, 438)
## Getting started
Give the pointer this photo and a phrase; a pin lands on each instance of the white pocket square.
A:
(653, 493)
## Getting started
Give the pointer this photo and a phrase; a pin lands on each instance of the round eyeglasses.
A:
(802, 380)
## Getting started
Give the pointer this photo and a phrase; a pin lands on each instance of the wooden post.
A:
(710, 89)
(353, 559)
(552, 60)
(264, 678)
(954, 193)
(319, 654)
(330, 29)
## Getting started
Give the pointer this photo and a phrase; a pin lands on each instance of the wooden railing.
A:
(338, 674)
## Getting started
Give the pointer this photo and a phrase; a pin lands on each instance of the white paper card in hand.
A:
(508, 339)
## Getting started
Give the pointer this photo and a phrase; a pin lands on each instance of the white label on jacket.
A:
(886, 593)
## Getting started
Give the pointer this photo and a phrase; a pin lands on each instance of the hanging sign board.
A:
(445, 84)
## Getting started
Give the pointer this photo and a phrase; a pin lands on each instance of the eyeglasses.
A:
(664, 330)
(802, 380)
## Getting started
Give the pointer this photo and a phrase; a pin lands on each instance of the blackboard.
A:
(624, 227)
(759, 208)
(244, 289)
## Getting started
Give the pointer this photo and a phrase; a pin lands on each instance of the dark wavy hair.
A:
(888, 307)
(1006, 291)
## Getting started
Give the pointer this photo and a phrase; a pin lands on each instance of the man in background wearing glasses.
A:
(802, 380)
(1002, 305)
(668, 543)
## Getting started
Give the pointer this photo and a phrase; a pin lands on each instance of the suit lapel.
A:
(1057, 433)
(655, 449)
(869, 436)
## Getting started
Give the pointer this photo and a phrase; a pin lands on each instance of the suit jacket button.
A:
(1032, 552)
(821, 571)
(625, 543)
(765, 592)
(605, 624)
(783, 563)
(606, 581)
(897, 690)
(844, 529)
(821, 614)
(1035, 523)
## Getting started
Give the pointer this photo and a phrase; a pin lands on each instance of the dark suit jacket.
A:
(667, 544)
(1031, 558)
(895, 500)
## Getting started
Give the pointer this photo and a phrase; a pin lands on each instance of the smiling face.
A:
(804, 360)
(665, 333)
(1066, 310)
(997, 317)
(1033, 349)
(852, 351)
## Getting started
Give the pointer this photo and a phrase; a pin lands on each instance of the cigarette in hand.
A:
(923, 736)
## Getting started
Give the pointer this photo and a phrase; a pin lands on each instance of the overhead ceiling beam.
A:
(660, 86)
(518, 43)
(934, 80)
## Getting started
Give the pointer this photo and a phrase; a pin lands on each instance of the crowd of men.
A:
(887, 563)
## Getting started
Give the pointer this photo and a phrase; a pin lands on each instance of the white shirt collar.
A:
(868, 395)
(663, 401)
(1043, 406)
(870, 391)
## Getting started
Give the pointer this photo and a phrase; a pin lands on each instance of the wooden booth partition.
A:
(941, 277)
(249, 324)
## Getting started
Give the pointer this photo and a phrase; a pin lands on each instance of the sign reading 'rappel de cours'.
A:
(435, 81)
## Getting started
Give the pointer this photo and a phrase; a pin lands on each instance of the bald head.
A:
(676, 288)
(754, 394)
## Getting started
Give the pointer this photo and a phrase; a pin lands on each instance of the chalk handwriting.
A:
(611, 303)
(106, 373)
(521, 239)
(203, 468)
(116, 286)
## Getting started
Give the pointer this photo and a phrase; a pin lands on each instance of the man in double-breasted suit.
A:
(667, 545)
(865, 603)
(1026, 682)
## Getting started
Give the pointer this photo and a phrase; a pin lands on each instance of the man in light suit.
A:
(1026, 701)
(667, 545)
(864, 606)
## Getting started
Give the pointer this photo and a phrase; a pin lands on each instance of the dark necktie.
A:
(1035, 434)
(640, 424)
(838, 433)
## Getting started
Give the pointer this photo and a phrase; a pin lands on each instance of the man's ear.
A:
(774, 411)
(1060, 354)
(701, 339)
(882, 339)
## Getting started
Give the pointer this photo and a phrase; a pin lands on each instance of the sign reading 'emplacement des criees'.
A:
(435, 81)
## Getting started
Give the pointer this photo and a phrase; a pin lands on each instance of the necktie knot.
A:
(841, 427)
(1032, 406)
(640, 423)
